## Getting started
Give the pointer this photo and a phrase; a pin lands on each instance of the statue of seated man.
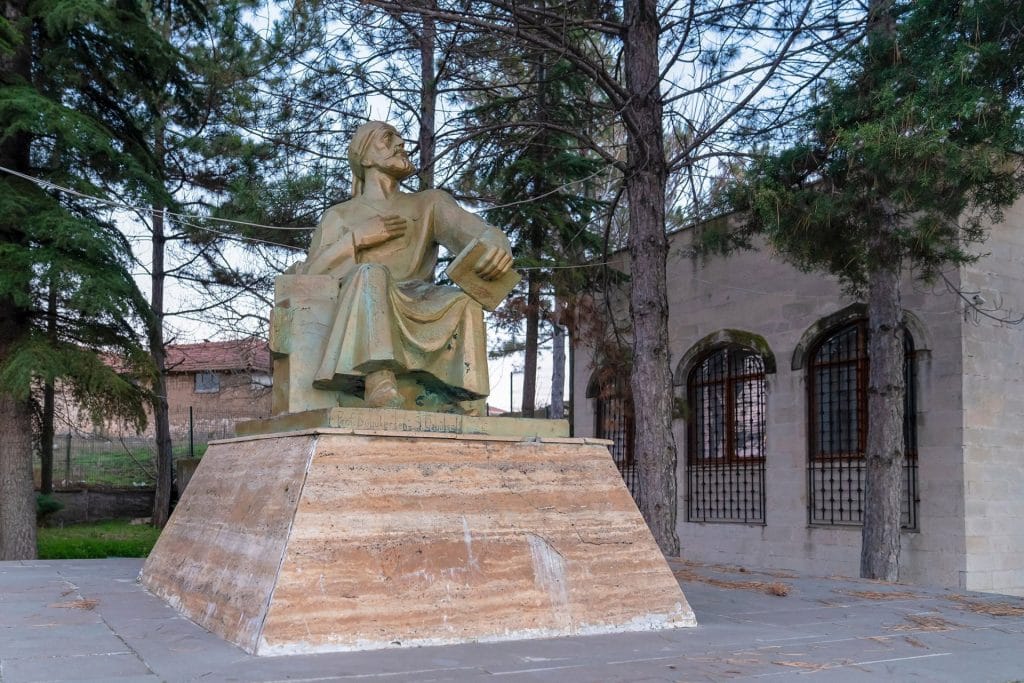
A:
(391, 319)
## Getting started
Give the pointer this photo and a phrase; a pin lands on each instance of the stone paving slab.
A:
(82, 621)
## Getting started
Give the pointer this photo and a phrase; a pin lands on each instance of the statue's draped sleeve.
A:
(332, 250)
(455, 228)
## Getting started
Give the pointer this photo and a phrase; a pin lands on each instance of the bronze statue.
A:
(391, 319)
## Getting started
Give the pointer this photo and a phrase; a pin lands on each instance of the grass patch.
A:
(107, 463)
(96, 541)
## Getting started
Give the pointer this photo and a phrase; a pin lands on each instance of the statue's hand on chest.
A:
(377, 230)
(380, 227)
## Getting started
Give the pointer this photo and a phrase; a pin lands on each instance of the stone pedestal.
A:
(385, 420)
(346, 539)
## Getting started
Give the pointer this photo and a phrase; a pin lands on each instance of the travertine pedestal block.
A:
(332, 539)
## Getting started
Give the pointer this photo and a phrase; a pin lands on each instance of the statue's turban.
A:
(357, 152)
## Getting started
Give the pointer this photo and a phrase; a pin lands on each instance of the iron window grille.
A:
(614, 421)
(725, 470)
(838, 426)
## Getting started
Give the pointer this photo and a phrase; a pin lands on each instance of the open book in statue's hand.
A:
(488, 293)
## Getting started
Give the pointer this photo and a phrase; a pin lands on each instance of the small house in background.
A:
(212, 385)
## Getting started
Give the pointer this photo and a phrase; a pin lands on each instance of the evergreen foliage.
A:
(541, 191)
(302, 104)
(211, 155)
(46, 505)
(539, 179)
(76, 96)
(910, 152)
(84, 137)
(928, 124)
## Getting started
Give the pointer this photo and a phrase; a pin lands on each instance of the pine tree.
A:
(64, 120)
(538, 177)
(197, 153)
(911, 148)
(225, 148)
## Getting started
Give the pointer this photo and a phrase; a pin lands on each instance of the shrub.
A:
(46, 505)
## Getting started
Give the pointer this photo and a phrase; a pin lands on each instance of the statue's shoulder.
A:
(337, 215)
(435, 196)
(341, 208)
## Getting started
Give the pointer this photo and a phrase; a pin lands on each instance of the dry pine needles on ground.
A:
(736, 569)
(994, 609)
(776, 588)
(77, 604)
(924, 622)
(880, 595)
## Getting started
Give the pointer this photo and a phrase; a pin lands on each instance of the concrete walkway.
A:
(88, 620)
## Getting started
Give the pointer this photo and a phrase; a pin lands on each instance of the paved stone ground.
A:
(88, 620)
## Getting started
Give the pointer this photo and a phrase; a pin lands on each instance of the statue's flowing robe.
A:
(390, 313)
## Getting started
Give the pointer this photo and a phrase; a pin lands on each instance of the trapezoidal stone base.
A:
(333, 540)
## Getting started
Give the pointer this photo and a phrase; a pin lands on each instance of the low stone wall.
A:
(96, 504)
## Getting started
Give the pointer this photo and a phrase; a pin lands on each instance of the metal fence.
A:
(82, 459)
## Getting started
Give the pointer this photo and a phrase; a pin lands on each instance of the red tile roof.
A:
(238, 354)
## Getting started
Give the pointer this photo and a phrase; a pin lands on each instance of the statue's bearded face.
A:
(386, 152)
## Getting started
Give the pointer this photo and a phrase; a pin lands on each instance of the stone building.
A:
(770, 376)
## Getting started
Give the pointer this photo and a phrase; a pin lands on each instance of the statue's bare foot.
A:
(382, 390)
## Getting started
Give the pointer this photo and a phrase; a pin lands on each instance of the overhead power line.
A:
(188, 220)
(46, 184)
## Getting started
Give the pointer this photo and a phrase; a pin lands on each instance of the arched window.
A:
(837, 383)
(613, 420)
(726, 428)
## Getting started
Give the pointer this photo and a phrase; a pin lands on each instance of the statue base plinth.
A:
(385, 420)
(330, 540)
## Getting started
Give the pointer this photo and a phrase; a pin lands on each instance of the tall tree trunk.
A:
(646, 176)
(532, 346)
(157, 348)
(17, 499)
(46, 438)
(535, 243)
(161, 422)
(557, 366)
(883, 466)
(428, 102)
(884, 459)
(49, 402)
(572, 380)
